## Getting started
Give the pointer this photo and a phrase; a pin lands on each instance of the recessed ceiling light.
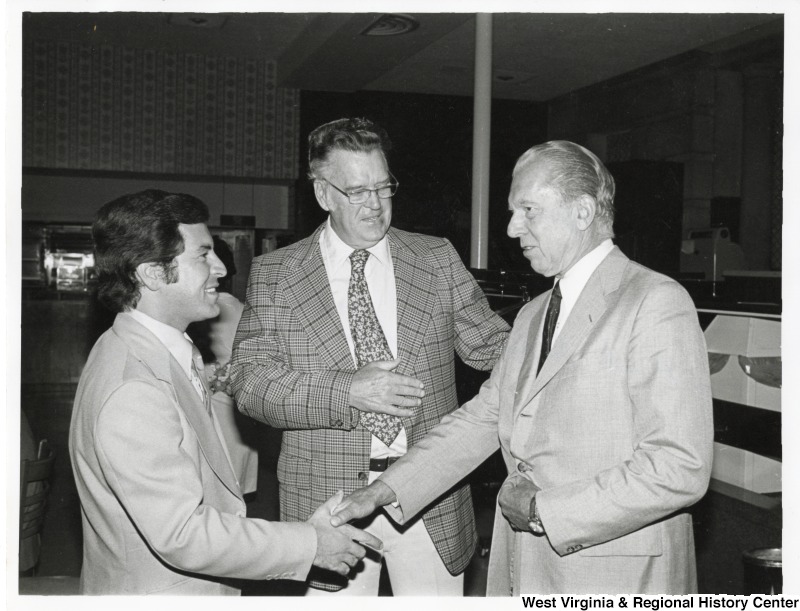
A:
(511, 76)
(391, 24)
(198, 20)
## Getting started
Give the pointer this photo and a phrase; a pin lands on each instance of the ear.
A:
(150, 275)
(321, 195)
(585, 208)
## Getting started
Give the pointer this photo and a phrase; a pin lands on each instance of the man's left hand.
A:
(514, 499)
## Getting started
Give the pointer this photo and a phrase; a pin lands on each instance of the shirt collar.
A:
(576, 277)
(178, 344)
(338, 252)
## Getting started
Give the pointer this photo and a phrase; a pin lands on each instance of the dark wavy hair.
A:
(354, 135)
(139, 228)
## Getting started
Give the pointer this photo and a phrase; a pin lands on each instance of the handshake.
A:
(339, 545)
(337, 549)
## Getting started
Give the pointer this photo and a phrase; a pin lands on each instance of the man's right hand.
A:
(377, 389)
(362, 503)
(337, 549)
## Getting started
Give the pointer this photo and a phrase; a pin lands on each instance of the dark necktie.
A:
(550, 320)
(369, 342)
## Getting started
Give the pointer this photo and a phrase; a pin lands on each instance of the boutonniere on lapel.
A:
(219, 377)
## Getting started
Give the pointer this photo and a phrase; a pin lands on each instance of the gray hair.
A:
(356, 135)
(575, 171)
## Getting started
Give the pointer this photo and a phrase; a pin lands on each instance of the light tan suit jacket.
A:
(162, 510)
(616, 430)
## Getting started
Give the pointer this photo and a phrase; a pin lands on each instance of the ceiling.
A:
(536, 56)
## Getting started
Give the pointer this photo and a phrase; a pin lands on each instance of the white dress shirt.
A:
(379, 274)
(575, 278)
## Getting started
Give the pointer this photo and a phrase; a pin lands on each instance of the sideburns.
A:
(170, 272)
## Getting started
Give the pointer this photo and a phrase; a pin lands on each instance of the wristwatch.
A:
(534, 522)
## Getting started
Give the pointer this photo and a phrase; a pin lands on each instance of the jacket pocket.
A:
(644, 542)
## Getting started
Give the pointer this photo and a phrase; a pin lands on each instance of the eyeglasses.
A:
(359, 197)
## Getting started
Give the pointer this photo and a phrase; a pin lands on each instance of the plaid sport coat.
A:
(292, 369)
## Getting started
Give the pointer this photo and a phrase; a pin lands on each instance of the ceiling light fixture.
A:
(198, 20)
(391, 24)
(511, 76)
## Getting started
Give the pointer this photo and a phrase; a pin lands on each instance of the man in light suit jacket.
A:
(601, 404)
(162, 510)
(312, 314)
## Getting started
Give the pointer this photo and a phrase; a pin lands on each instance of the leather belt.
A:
(381, 464)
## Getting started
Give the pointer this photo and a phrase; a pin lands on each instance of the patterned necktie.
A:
(197, 379)
(369, 342)
(550, 320)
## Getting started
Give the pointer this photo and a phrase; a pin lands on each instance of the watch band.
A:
(534, 522)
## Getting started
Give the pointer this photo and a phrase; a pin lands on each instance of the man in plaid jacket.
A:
(294, 362)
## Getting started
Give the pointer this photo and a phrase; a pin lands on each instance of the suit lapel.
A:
(308, 293)
(527, 373)
(154, 355)
(416, 298)
(587, 311)
(201, 422)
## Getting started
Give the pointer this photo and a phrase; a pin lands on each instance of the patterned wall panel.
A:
(135, 110)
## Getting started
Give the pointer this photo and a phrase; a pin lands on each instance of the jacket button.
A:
(522, 467)
(362, 476)
(338, 423)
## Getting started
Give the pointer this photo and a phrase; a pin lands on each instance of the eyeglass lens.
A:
(359, 197)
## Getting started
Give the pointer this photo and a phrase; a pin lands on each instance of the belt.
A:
(381, 464)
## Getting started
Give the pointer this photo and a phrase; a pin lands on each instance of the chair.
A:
(34, 487)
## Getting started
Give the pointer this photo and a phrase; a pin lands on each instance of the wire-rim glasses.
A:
(359, 197)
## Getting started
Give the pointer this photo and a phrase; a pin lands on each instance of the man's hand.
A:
(514, 499)
(336, 549)
(362, 502)
(376, 388)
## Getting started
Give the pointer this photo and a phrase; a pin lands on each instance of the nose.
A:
(218, 268)
(373, 201)
(515, 225)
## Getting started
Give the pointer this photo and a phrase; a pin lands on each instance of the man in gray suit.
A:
(601, 403)
(347, 343)
(162, 509)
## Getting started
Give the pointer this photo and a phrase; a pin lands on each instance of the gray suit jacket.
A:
(162, 510)
(292, 368)
(616, 430)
